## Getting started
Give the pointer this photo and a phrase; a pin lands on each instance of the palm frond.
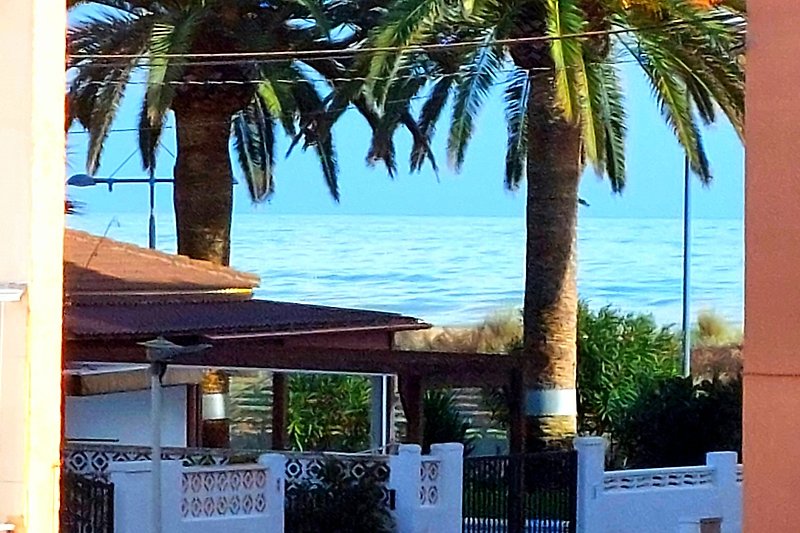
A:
(429, 116)
(316, 130)
(167, 39)
(254, 143)
(97, 87)
(675, 103)
(516, 99)
(471, 92)
(608, 118)
(565, 17)
(407, 22)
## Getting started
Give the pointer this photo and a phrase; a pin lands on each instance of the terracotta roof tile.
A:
(230, 317)
(96, 265)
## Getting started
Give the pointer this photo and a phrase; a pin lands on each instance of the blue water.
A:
(455, 271)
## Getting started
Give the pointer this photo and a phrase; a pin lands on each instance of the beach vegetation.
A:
(565, 110)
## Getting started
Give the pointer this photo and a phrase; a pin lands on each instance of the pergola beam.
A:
(436, 369)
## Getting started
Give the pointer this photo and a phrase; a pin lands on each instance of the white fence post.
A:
(591, 468)
(404, 479)
(730, 492)
(276, 488)
(132, 506)
(451, 481)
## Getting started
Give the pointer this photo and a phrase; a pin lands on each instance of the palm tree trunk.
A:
(550, 313)
(203, 182)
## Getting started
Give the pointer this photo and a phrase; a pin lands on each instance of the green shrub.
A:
(443, 421)
(619, 356)
(335, 503)
(329, 412)
(676, 422)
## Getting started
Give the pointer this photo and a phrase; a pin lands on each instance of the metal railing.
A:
(530, 493)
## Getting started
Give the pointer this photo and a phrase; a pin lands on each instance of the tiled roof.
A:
(222, 317)
(96, 266)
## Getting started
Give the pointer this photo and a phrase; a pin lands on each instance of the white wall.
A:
(125, 417)
(200, 499)
(665, 500)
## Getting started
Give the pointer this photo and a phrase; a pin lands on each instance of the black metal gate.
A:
(530, 493)
(87, 505)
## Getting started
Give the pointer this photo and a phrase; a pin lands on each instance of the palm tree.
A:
(564, 109)
(164, 45)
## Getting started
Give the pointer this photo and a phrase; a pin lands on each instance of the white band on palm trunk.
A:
(551, 402)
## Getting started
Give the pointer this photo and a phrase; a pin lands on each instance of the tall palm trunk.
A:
(203, 181)
(550, 313)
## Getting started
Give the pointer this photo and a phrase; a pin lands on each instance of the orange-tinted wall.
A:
(31, 237)
(772, 287)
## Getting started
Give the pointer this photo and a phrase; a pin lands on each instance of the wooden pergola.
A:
(417, 371)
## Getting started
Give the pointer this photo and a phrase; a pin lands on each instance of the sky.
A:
(654, 189)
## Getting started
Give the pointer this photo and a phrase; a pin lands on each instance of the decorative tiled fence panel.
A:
(213, 492)
(305, 470)
(429, 481)
(624, 480)
(94, 460)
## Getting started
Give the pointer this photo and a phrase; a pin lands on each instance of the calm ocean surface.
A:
(454, 271)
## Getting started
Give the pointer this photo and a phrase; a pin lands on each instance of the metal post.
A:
(155, 425)
(687, 262)
(151, 234)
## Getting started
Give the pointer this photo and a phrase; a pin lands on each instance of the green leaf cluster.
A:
(444, 422)
(676, 422)
(329, 412)
(619, 356)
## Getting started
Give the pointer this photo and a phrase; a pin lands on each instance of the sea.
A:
(456, 271)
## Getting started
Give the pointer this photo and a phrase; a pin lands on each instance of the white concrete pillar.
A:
(31, 236)
(276, 487)
(729, 491)
(591, 469)
(451, 486)
(132, 504)
(404, 479)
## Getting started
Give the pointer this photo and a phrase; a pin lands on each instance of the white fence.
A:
(244, 498)
(427, 488)
(230, 498)
(668, 500)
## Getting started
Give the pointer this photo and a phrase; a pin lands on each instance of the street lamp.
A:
(85, 180)
(159, 352)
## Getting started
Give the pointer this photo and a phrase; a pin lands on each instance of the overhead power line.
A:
(349, 52)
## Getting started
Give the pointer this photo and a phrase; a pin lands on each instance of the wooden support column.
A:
(516, 413)
(516, 449)
(280, 405)
(411, 393)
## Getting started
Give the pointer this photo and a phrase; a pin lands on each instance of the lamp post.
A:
(85, 180)
(687, 269)
(159, 352)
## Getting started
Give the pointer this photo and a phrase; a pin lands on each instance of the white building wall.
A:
(124, 417)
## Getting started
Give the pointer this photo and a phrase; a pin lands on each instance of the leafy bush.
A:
(619, 356)
(676, 422)
(336, 503)
(328, 412)
(443, 421)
